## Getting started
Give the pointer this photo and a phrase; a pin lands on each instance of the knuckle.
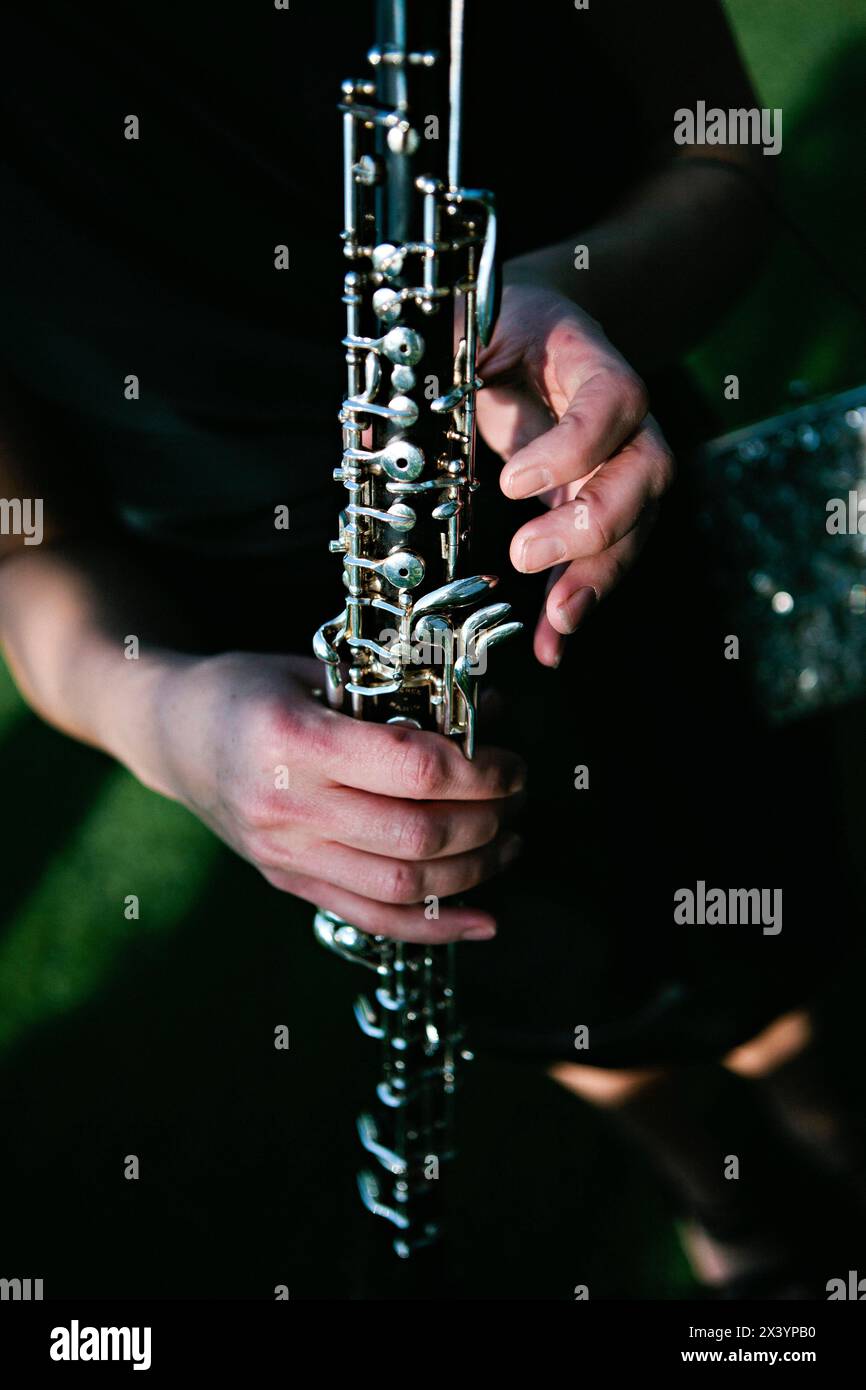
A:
(258, 848)
(252, 805)
(599, 535)
(419, 836)
(285, 880)
(277, 731)
(259, 806)
(274, 723)
(269, 850)
(420, 767)
(276, 878)
(635, 397)
(399, 883)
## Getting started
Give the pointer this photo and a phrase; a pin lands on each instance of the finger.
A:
(412, 830)
(401, 923)
(604, 411)
(395, 760)
(605, 509)
(400, 882)
(576, 593)
(547, 643)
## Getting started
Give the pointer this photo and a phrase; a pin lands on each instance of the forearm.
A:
(64, 621)
(663, 266)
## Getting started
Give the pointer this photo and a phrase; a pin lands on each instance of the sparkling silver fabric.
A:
(781, 511)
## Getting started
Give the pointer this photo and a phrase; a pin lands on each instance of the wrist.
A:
(547, 269)
(552, 274)
(139, 696)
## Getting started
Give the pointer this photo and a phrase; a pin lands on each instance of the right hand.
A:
(375, 818)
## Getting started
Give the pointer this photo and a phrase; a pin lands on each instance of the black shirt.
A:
(154, 256)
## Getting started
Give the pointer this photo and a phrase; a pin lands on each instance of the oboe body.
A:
(410, 641)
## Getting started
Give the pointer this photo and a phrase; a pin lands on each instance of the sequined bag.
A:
(784, 512)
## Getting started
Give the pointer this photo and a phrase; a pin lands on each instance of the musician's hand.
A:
(569, 416)
(367, 820)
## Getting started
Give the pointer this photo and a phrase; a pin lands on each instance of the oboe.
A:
(410, 643)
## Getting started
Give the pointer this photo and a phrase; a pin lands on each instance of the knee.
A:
(784, 1039)
(602, 1087)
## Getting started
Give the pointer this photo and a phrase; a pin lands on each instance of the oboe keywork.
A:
(411, 641)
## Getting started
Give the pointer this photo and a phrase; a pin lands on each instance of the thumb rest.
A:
(399, 651)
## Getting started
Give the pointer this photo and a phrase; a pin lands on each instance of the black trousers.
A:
(685, 784)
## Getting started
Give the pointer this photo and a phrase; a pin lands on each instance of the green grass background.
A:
(154, 1036)
(807, 59)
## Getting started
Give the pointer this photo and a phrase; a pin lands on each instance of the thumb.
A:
(510, 417)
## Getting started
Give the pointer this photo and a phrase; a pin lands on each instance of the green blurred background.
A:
(154, 1037)
(808, 59)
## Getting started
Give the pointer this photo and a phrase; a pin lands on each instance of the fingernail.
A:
(478, 934)
(510, 848)
(574, 610)
(528, 480)
(517, 778)
(538, 554)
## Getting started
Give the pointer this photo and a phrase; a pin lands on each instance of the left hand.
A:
(569, 416)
